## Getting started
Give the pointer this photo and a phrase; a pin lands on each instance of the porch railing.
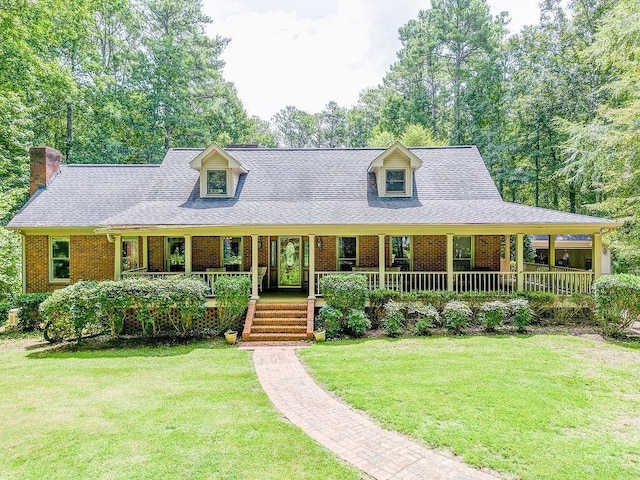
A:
(415, 281)
(208, 277)
(484, 281)
(373, 279)
(559, 282)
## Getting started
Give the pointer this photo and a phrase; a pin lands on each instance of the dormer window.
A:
(394, 170)
(216, 182)
(396, 182)
(219, 172)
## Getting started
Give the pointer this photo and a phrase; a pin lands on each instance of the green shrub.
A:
(71, 313)
(345, 291)
(437, 298)
(29, 303)
(617, 299)
(377, 300)
(357, 323)
(232, 298)
(457, 315)
(394, 320)
(428, 318)
(329, 319)
(492, 314)
(4, 312)
(521, 313)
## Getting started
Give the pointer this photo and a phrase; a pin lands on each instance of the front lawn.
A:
(179, 412)
(551, 407)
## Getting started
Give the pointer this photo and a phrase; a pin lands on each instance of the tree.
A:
(296, 128)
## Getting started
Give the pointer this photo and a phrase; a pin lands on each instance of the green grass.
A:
(539, 407)
(163, 412)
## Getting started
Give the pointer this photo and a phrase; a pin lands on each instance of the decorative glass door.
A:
(289, 262)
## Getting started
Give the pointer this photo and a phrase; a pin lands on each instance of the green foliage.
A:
(10, 264)
(4, 312)
(437, 298)
(521, 313)
(493, 314)
(394, 321)
(428, 319)
(70, 312)
(357, 322)
(456, 315)
(416, 316)
(378, 298)
(617, 300)
(345, 291)
(329, 319)
(232, 298)
(29, 317)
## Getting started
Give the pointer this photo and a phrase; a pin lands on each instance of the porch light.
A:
(319, 242)
(259, 242)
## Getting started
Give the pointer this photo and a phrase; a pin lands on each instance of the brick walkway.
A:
(349, 434)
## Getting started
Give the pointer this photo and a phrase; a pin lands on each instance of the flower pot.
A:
(231, 336)
(320, 335)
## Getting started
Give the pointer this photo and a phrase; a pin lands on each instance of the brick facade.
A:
(44, 163)
(92, 256)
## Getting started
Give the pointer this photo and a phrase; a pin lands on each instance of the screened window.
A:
(232, 254)
(401, 253)
(462, 254)
(396, 181)
(216, 182)
(347, 253)
(130, 253)
(59, 267)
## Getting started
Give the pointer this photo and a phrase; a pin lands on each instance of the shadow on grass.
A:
(102, 347)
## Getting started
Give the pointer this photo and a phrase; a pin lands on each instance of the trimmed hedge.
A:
(232, 298)
(617, 300)
(95, 307)
(29, 317)
(345, 295)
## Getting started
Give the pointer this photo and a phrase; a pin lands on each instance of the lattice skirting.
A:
(208, 324)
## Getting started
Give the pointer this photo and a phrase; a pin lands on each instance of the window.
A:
(216, 182)
(232, 254)
(462, 254)
(396, 181)
(130, 256)
(59, 254)
(175, 254)
(347, 253)
(401, 253)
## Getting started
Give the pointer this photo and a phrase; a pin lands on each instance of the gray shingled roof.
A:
(285, 187)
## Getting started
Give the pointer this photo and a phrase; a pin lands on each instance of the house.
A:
(569, 251)
(406, 218)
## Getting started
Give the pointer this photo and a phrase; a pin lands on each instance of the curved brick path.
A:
(349, 434)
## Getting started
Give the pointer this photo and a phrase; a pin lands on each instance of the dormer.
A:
(219, 172)
(394, 169)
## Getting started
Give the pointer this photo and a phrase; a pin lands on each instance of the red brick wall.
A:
(155, 246)
(368, 251)
(91, 258)
(487, 252)
(429, 253)
(205, 253)
(326, 255)
(44, 162)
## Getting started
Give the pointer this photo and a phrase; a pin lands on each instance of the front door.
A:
(289, 262)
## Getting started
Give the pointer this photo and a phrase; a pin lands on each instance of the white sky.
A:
(308, 52)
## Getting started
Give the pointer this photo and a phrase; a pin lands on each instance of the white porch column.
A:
(254, 267)
(596, 255)
(145, 252)
(187, 255)
(117, 271)
(520, 260)
(381, 260)
(312, 266)
(450, 262)
(552, 252)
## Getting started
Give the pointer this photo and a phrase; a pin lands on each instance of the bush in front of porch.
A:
(344, 313)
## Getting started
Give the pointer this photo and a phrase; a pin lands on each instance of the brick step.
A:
(279, 329)
(281, 306)
(279, 321)
(281, 313)
(276, 337)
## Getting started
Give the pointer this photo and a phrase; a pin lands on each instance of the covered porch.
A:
(403, 261)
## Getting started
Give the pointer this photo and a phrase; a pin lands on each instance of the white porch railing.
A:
(415, 281)
(208, 277)
(484, 281)
(373, 279)
(559, 282)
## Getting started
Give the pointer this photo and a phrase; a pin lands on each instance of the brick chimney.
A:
(44, 163)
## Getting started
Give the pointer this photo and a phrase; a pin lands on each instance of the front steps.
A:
(278, 322)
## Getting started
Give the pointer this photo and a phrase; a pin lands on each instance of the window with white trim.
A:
(401, 253)
(232, 254)
(59, 259)
(396, 182)
(347, 253)
(462, 254)
(216, 182)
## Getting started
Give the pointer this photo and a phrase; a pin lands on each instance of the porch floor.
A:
(283, 296)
